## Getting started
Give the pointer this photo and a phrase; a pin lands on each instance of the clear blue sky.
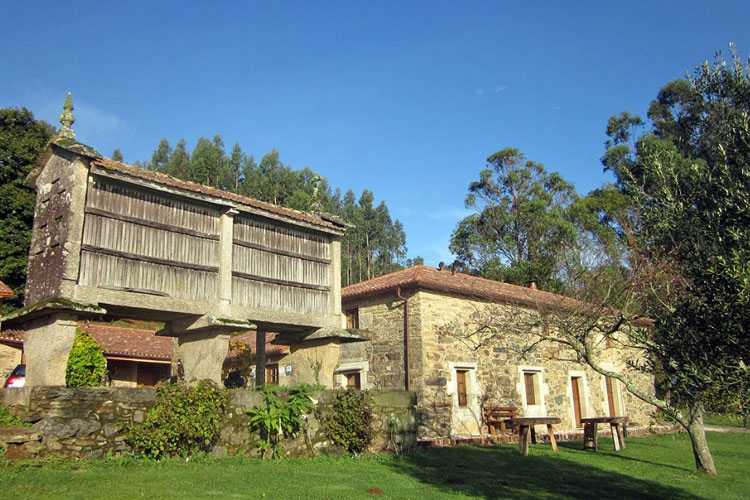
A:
(405, 98)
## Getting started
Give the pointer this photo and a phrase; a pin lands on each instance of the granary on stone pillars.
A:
(115, 239)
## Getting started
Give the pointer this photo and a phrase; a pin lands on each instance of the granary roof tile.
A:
(458, 283)
(170, 181)
(5, 290)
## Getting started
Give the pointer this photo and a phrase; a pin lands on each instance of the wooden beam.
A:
(148, 223)
(285, 253)
(275, 281)
(152, 260)
(260, 358)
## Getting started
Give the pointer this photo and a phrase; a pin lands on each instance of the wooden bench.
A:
(495, 416)
(591, 435)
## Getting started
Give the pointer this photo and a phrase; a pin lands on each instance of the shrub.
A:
(349, 421)
(185, 419)
(7, 419)
(279, 417)
(87, 366)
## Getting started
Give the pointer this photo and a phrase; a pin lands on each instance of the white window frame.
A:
(361, 367)
(472, 387)
(540, 388)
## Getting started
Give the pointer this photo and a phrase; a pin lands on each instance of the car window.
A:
(19, 371)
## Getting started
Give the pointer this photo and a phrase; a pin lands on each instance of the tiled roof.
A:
(5, 290)
(192, 186)
(462, 284)
(249, 339)
(138, 343)
(11, 337)
(131, 342)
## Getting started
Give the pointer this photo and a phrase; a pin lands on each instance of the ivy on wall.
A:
(87, 366)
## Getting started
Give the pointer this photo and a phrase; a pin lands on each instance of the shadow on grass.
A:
(502, 472)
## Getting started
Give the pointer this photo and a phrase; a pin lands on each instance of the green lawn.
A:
(724, 419)
(659, 467)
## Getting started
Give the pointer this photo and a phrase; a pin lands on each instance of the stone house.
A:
(426, 328)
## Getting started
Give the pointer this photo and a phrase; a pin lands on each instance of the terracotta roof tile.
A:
(5, 290)
(131, 342)
(459, 283)
(199, 188)
(11, 336)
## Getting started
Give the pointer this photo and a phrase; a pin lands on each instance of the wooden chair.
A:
(495, 416)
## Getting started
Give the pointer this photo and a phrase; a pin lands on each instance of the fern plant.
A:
(279, 418)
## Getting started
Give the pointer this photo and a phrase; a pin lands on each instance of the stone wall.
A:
(88, 423)
(443, 342)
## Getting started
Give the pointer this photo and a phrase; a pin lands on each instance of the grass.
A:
(723, 419)
(650, 468)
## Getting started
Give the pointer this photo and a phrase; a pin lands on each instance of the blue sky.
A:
(404, 98)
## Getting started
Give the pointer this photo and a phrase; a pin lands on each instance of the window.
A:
(461, 387)
(272, 374)
(529, 380)
(353, 380)
(352, 318)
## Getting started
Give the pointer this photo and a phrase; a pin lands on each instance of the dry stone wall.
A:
(89, 422)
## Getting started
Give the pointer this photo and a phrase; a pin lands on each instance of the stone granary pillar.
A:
(47, 343)
(203, 344)
(203, 354)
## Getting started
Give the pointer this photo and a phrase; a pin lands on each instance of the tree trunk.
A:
(704, 461)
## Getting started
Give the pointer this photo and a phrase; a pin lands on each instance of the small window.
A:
(353, 380)
(530, 381)
(272, 374)
(461, 387)
(352, 318)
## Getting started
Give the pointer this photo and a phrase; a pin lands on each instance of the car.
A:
(17, 377)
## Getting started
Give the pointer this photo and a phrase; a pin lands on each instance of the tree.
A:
(179, 161)
(117, 155)
(161, 158)
(686, 183)
(520, 232)
(22, 141)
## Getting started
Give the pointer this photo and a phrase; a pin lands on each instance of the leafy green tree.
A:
(87, 366)
(520, 232)
(160, 160)
(686, 185)
(22, 140)
(179, 161)
(117, 155)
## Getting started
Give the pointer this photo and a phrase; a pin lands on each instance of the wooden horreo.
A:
(117, 239)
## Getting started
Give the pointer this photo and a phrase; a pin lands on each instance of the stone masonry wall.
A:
(88, 422)
(495, 370)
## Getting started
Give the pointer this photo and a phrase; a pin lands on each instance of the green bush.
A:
(349, 423)
(87, 366)
(184, 420)
(9, 420)
(279, 417)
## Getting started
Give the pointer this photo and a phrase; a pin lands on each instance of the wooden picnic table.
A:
(591, 436)
(525, 427)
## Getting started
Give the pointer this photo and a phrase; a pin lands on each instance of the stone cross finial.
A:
(67, 119)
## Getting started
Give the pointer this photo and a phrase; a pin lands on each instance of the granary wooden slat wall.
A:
(141, 240)
(279, 268)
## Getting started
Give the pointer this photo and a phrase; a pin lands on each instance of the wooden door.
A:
(576, 386)
(528, 380)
